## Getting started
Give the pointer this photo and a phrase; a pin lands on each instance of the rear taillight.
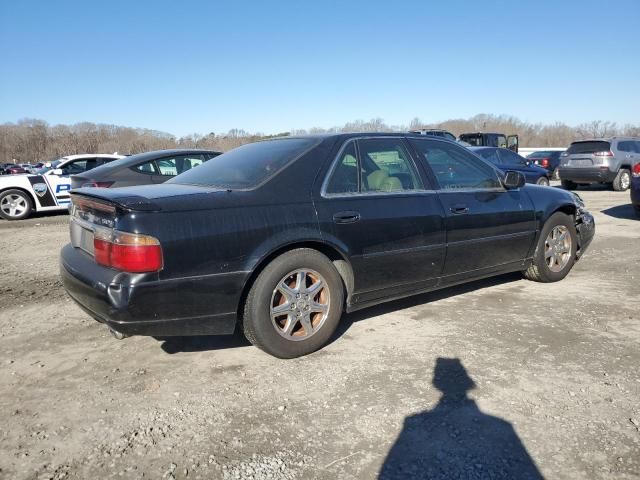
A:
(97, 184)
(607, 153)
(129, 252)
(636, 170)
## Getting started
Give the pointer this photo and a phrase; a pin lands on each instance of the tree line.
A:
(33, 140)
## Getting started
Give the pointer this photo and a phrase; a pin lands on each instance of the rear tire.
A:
(555, 255)
(569, 185)
(636, 208)
(274, 317)
(543, 181)
(15, 205)
(622, 180)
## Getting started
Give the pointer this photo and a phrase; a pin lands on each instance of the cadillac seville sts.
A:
(281, 237)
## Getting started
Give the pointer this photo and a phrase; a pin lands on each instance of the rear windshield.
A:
(246, 166)
(589, 147)
(541, 154)
(472, 139)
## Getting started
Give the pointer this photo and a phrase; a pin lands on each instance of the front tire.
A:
(555, 253)
(15, 205)
(569, 185)
(294, 305)
(622, 180)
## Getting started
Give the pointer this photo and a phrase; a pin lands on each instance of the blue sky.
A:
(201, 66)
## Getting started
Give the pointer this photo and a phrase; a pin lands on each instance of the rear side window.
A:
(249, 165)
(628, 146)
(588, 147)
(172, 166)
(507, 157)
(146, 167)
(489, 154)
(344, 178)
(473, 140)
(455, 168)
(387, 166)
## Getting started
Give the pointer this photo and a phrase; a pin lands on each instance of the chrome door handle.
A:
(459, 209)
(346, 217)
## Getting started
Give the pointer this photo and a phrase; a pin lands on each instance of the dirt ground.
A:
(503, 378)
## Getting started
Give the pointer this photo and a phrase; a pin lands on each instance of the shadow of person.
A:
(456, 440)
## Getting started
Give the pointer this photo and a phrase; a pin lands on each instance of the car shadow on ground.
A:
(622, 211)
(201, 343)
(455, 439)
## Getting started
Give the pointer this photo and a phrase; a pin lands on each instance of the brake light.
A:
(98, 184)
(129, 252)
(607, 153)
(636, 170)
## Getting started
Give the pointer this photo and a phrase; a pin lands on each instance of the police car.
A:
(48, 189)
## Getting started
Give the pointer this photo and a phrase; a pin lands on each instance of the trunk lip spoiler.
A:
(127, 202)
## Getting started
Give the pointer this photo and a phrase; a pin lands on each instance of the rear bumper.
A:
(139, 304)
(587, 175)
(586, 230)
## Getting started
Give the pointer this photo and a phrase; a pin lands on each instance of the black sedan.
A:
(143, 168)
(506, 159)
(283, 236)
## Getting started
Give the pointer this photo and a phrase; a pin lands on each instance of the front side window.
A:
(455, 168)
(387, 166)
(249, 165)
(79, 166)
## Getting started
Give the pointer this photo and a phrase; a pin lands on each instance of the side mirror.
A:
(513, 180)
(57, 171)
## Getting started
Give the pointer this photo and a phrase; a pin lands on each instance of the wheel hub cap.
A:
(299, 304)
(558, 248)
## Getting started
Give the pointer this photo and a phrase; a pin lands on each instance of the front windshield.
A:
(44, 170)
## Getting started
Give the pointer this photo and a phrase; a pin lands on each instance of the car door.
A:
(169, 167)
(375, 206)
(487, 226)
(61, 184)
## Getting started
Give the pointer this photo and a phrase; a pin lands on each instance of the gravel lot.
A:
(502, 378)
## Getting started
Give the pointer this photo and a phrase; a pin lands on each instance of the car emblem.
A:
(40, 189)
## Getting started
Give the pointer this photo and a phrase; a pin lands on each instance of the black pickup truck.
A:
(501, 140)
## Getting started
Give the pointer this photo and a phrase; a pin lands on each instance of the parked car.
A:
(48, 189)
(481, 139)
(143, 169)
(548, 159)
(635, 188)
(600, 160)
(507, 160)
(282, 236)
(12, 169)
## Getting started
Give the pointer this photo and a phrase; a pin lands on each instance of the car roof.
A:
(90, 155)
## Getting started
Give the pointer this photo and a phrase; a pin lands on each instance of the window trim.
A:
(370, 194)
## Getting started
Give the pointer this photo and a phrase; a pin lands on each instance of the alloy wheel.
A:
(557, 248)
(300, 304)
(13, 205)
